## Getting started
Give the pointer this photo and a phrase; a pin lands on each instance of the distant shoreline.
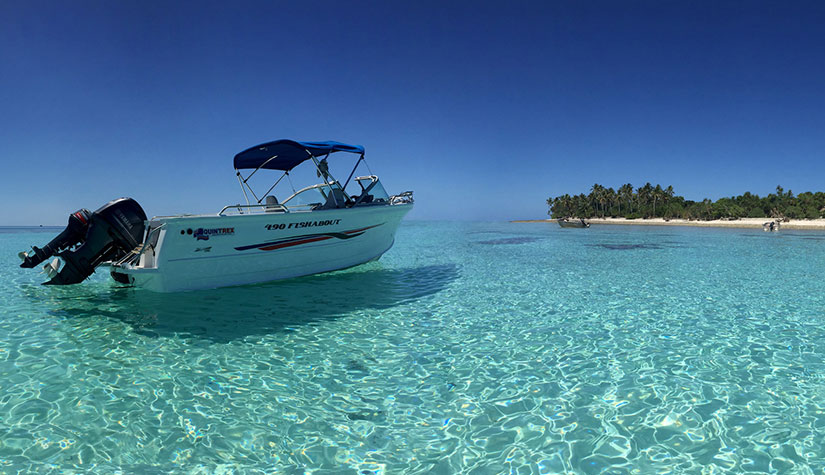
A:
(750, 223)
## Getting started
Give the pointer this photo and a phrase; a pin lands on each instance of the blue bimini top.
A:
(287, 154)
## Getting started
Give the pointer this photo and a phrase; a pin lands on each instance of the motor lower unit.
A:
(90, 239)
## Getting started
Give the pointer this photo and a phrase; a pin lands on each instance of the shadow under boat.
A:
(227, 314)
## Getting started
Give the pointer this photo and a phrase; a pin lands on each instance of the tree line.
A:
(650, 201)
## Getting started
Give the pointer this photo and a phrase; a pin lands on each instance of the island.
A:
(655, 205)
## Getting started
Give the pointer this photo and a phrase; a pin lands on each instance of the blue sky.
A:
(484, 109)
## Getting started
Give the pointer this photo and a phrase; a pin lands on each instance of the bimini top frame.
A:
(285, 155)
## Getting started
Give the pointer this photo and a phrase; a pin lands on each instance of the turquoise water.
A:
(470, 347)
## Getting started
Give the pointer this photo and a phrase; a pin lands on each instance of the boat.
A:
(320, 228)
(568, 223)
(771, 226)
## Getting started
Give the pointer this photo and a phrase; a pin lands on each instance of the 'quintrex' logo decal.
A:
(203, 234)
(306, 239)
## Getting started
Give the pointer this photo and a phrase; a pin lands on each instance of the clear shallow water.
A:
(470, 347)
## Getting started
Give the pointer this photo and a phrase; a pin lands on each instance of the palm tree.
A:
(668, 194)
(602, 198)
(553, 204)
(643, 194)
(657, 194)
(567, 204)
(626, 194)
(595, 194)
(611, 198)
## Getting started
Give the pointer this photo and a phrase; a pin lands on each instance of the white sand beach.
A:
(755, 223)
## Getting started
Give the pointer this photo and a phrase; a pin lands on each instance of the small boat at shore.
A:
(771, 226)
(568, 223)
(320, 228)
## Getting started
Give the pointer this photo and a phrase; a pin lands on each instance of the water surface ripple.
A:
(468, 348)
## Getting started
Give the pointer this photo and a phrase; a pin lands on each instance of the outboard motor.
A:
(109, 233)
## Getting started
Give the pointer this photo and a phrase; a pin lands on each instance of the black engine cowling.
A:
(90, 239)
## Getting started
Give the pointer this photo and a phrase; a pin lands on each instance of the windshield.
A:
(311, 195)
(362, 191)
(372, 190)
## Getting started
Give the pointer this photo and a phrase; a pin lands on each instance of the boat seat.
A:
(335, 199)
(272, 204)
(365, 197)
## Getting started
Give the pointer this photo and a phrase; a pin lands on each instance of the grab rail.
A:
(137, 254)
(269, 208)
(402, 198)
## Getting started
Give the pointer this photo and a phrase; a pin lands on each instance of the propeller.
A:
(51, 269)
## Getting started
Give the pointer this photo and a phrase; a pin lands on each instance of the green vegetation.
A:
(657, 202)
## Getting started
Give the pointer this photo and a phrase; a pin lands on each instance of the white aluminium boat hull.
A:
(201, 252)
